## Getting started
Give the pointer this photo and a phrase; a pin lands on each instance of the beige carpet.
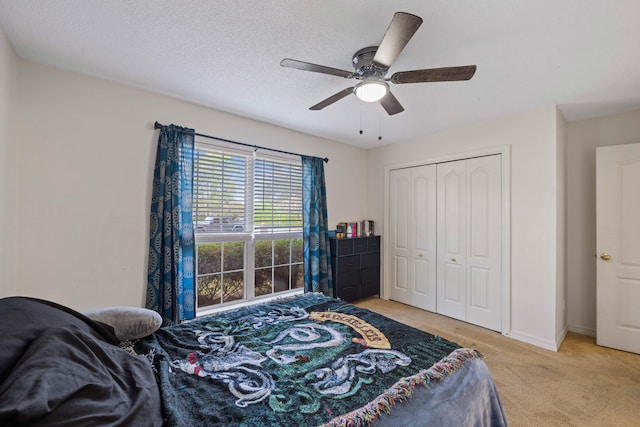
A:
(580, 385)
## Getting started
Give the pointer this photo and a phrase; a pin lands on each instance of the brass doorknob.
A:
(605, 256)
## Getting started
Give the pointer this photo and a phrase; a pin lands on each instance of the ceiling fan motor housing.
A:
(365, 67)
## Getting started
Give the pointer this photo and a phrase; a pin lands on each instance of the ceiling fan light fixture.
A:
(372, 90)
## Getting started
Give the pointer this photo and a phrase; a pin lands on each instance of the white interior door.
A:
(618, 245)
(484, 237)
(412, 236)
(452, 232)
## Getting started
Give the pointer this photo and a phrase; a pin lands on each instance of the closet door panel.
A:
(412, 226)
(423, 254)
(454, 289)
(452, 227)
(484, 184)
(399, 226)
(479, 288)
(452, 200)
(421, 271)
(401, 275)
(479, 213)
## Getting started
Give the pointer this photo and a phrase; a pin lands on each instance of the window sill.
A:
(240, 304)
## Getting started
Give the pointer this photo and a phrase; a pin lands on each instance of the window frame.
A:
(249, 235)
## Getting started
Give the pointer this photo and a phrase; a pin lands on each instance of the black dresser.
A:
(355, 267)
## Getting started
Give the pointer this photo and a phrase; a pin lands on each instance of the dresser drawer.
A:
(349, 294)
(373, 244)
(371, 274)
(369, 289)
(340, 247)
(345, 263)
(347, 279)
(370, 259)
(359, 246)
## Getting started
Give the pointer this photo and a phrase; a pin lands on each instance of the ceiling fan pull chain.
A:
(361, 120)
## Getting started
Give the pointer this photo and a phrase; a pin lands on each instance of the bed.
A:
(308, 360)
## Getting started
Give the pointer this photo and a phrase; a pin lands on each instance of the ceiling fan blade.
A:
(333, 98)
(402, 27)
(447, 74)
(391, 105)
(307, 66)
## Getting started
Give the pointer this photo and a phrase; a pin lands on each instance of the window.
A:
(247, 213)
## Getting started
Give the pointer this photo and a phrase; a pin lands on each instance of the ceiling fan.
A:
(372, 63)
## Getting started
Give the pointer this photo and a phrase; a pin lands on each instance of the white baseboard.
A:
(583, 330)
(533, 340)
(562, 336)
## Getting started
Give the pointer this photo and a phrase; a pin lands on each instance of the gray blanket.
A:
(467, 398)
(56, 372)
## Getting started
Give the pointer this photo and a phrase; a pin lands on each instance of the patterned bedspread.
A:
(309, 360)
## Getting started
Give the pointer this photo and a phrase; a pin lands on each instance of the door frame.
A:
(505, 152)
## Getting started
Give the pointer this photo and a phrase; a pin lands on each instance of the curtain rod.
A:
(158, 126)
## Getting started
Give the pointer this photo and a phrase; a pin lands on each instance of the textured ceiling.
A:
(579, 54)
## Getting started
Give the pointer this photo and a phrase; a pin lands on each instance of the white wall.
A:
(534, 207)
(85, 162)
(8, 81)
(582, 139)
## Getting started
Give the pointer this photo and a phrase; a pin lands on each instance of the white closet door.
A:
(484, 237)
(445, 239)
(424, 236)
(412, 224)
(470, 240)
(399, 229)
(452, 229)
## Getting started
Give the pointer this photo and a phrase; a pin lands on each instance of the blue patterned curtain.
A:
(171, 285)
(317, 256)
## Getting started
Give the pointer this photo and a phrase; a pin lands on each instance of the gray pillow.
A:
(128, 323)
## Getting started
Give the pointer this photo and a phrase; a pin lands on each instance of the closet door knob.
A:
(453, 260)
(605, 256)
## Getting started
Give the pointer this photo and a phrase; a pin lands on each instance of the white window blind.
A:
(219, 193)
(236, 191)
(277, 196)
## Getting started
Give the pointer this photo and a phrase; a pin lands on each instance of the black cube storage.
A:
(355, 267)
